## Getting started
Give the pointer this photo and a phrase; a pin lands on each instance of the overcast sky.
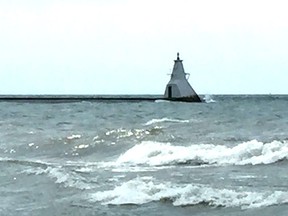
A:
(129, 46)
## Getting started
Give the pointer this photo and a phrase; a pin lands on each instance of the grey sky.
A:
(128, 46)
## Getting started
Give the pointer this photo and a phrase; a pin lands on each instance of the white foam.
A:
(162, 101)
(74, 136)
(154, 121)
(209, 99)
(132, 192)
(31, 144)
(81, 146)
(144, 190)
(252, 152)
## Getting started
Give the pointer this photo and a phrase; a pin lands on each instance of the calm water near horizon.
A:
(227, 156)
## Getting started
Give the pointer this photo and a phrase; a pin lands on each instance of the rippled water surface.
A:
(227, 156)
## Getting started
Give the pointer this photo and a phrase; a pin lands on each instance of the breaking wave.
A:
(154, 121)
(144, 190)
(158, 154)
(61, 176)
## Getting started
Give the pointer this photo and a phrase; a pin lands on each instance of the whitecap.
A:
(154, 121)
(144, 190)
(31, 144)
(157, 154)
(73, 136)
(81, 146)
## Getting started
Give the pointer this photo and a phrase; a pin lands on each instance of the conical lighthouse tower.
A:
(178, 88)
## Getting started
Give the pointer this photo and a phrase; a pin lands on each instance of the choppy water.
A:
(225, 157)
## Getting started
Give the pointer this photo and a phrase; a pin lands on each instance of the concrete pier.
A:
(178, 89)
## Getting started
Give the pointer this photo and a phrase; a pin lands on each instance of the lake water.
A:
(227, 156)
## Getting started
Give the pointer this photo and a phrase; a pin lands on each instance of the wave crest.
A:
(142, 190)
(154, 121)
(252, 152)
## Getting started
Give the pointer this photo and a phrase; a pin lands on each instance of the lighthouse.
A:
(178, 88)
